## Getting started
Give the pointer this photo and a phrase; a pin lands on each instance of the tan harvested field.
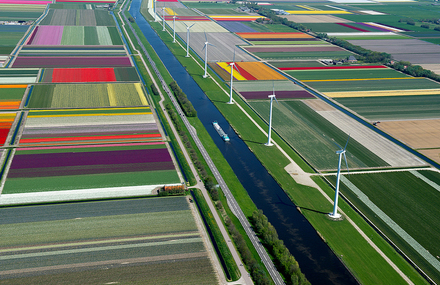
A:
(394, 155)
(433, 67)
(318, 105)
(417, 134)
(433, 154)
(378, 93)
(315, 19)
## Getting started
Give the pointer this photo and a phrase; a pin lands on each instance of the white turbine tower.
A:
(340, 152)
(174, 27)
(155, 14)
(206, 55)
(232, 64)
(272, 96)
(163, 19)
(187, 38)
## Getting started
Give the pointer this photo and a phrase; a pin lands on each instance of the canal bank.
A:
(317, 261)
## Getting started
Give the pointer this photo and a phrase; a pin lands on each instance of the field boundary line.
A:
(107, 262)
(393, 225)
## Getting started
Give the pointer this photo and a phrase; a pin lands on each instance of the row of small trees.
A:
(186, 105)
(414, 70)
(284, 261)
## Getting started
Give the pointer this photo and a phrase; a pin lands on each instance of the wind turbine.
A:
(272, 96)
(174, 27)
(340, 152)
(206, 55)
(187, 38)
(232, 64)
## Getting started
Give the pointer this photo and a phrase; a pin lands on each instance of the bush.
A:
(154, 90)
(437, 28)
(130, 18)
(426, 26)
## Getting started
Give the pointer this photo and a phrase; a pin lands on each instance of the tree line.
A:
(186, 105)
(284, 261)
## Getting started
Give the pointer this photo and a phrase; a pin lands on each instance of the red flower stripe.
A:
(353, 27)
(88, 138)
(332, 67)
(244, 73)
(83, 75)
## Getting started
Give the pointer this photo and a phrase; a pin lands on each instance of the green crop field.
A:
(311, 135)
(73, 35)
(130, 239)
(90, 36)
(84, 95)
(370, 85)
(408, 201)
(58, 183)
(394, 107)
(345, 74)
(303, 55)
(11, 93)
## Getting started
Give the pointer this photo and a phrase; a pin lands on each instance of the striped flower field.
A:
(6, 120)
(247, 71)
(87, 95)
(39, 169)
(11, 96)
(89, 126)
(66, 75)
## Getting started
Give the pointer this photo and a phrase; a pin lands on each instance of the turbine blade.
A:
(185, 24)
(204, 46)
(206, 37)
(191, 26)
(233, 59)
(345, 158)
(276, 99)
(340, 147)
(211, 44)
(347, 142)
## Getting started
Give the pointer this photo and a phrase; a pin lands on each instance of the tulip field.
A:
(75, 113)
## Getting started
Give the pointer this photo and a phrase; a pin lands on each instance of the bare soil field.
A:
(433, 154)
(417, 134)
(394, 155)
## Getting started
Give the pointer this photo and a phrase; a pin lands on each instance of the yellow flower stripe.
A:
(111, 95)
(170, 11)
(379, 93)
(296, 12)
(86, 115)
(13, 86)
(227, 68)
(141, 94)
(357, 79)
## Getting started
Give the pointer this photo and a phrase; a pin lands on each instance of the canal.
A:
(317, 261)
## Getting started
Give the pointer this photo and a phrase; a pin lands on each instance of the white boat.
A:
(220, 131)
